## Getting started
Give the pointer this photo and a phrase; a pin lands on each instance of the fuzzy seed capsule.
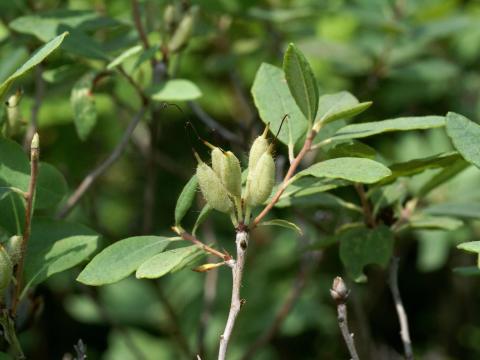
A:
(212, 188)
(217, 159)
(261, 181)
(231, 174)
(14, 248)
(6, 269)
(259, 147)
(182, 34)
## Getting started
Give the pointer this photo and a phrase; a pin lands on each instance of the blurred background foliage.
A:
(408, 57)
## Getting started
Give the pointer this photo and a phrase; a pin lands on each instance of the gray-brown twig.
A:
(339, 293)
(401, 313)
(29, 197)
(98, 171)
(241, 242)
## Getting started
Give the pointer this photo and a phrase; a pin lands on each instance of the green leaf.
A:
(471, 246)
(301, 82)
(467, 271)
(349, 168)
(163, 263)
(175, 90)
(124, 56)
(469, 210)
(282, 223)
(352, 148)
(360, 246)
(206, 210)
(185, 200)
(269, 87)
(83, 105)
(416, 166)
(356, 131)
(56, 246)
(465, 135)
(34, 60)
(51, 187)
(121, 259)
(443, 176)
(434, 223)
(337, 106)
(310, 197)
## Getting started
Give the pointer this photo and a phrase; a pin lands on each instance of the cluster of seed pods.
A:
(221, 183)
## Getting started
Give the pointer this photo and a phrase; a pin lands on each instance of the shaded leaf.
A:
(34, 60)
(434, 223)
(465, 135)
(121, 259)
(206, 210)
(185, 200)
(83, 104)
(124, 56)
(360, 247)
(175, 90)
(352, 149)
(51, 187)
(301, 82)
(462, 210)
(337, 106)
(269, 87)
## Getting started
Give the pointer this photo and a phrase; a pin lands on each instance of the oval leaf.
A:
(165, 262)
(465, 135)
(301, 82)
(121, 259)
(175, 90)
(282, 223)
(185, 199)
(348, 168)
(337, 106)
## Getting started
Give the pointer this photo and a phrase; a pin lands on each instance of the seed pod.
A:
(14, 116)
(169, 17)
(6, 269)
(217, 159)
(259, 147)
(261, 181)
(182, 34)
(231, 174)
(212, 188)
(14, 248)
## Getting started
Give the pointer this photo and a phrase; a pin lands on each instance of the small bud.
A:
(231, 174)
(35, 142)
(207, 267)
(339, 291)
(6, 269)
(14, 248)
(14, 116)
(260, 183)
(212, 188)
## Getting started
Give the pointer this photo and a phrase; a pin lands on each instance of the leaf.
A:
(352, 148)
(469, 210)
(443, 176)
(301, 82)
(416, 166)
(356, 131)
(185, 200)
(465, 135)
(56, 246)
(83, 104)
(34, 60)
(434, 223)
(124, 56)
(121, 259)
(471, 246)
(282, 223)
(348, 168)
(51, 187)
(269, 87)
(206, 210)
(467, 271)
(175, 90)
(309, 197)
(163, 263)
(360, 247)
(337, 106)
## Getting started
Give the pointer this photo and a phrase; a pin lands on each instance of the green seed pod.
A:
(14, 116)
(260, 183)
(217, 159)
(6, 269)
(212, 188)
(14, 248)
(259, 146)
(169, 17)
(231, 174)
(182, 34)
